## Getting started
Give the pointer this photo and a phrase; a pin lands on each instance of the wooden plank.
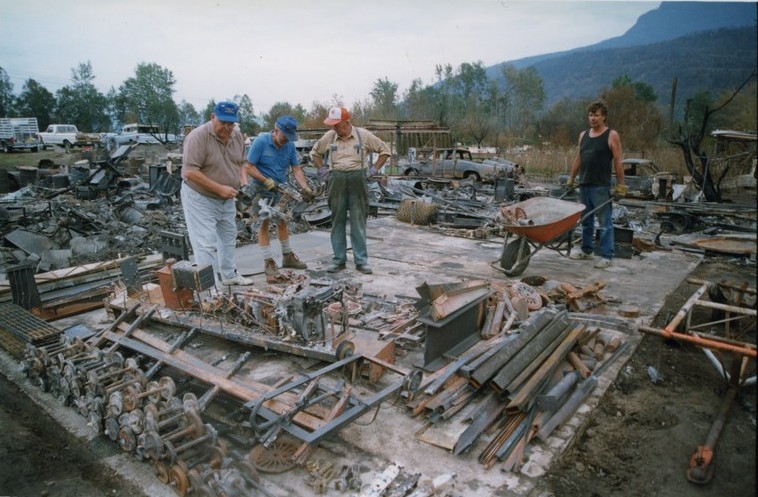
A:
(245, 390)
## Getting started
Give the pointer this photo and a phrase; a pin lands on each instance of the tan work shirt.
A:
(345, 154)
(203, 151)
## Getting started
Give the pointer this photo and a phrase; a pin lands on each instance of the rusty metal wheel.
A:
(177, 478)
(345, 349)
(276, 458)
(161, 471)
(126, 439)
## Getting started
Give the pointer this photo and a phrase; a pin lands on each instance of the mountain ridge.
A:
(661, 46)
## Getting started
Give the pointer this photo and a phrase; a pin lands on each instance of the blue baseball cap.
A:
(226, 111)
(288, 126)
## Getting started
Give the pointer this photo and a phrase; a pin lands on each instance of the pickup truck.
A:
(19, 133)
(457, 163)
(133, 134)
(66, 135)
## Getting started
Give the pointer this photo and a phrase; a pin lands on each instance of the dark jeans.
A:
(348, 192)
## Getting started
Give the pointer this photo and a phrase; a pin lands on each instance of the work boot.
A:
(270, 267)
(291, 261)
(364, 269)
(334, 268)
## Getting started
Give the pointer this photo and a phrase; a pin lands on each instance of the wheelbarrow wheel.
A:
(515, 257)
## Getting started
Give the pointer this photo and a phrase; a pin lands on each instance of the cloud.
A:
(290, 50)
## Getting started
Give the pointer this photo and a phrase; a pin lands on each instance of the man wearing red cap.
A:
(348, 151)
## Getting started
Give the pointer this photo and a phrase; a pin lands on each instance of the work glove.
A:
(308, 195)
(323, 172)
(570, 183)
(269, 184)
(372, 171)
(621, 191)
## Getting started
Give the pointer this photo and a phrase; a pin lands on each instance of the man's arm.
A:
(377, 145)
(297, 171)
(577, 160)
(197, 177)
(318, 150)
(614, 142)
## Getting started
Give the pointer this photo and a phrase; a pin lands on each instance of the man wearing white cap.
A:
(213, 169)
(348, 150)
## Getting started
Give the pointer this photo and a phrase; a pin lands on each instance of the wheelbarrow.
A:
(537, 223)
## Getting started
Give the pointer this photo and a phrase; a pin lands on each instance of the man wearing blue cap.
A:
(270, 158)
(213, 169)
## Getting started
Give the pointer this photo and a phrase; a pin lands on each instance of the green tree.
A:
(35, 101)
(6, 94)
(417, 102)
(147, 98)
(208, 110)
(562, 123)
(280, 109)
(247, 121)
(522, 98)
(314, 119)
(634, 115)
(188, 114)
(80, 103)
(643, 92)
(384, 98)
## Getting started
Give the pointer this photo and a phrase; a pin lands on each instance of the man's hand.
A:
(269, 184)
(372, 171)
(323, 172)
(308, 195)
(570, 183)
(621, 190)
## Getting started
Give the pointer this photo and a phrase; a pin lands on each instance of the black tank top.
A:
(596, 159)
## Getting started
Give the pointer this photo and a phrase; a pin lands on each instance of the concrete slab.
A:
(403, 257)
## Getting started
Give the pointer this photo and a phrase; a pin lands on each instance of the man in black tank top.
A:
(599, 151)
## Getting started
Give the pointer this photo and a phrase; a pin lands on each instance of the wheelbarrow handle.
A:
(597, 208)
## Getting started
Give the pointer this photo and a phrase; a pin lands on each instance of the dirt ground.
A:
(40, 458)
(637, 443)
(640, 439)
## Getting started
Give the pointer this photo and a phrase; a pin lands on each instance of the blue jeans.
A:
(348, 192)
(592, 196)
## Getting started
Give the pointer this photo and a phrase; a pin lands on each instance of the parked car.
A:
(134, 134)
(457, 163)
(67, 135)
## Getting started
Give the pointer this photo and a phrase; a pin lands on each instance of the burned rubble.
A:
(507, 361)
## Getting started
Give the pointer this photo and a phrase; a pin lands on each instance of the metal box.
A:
(193, 276)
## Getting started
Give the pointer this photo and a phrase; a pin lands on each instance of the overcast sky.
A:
(289, 50)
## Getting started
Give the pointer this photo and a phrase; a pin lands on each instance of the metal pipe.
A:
(699, 341)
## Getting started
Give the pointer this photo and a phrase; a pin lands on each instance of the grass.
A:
(550, 164)
(27, 159)
(540, 164)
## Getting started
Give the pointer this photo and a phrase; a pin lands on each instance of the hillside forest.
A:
(504, 111)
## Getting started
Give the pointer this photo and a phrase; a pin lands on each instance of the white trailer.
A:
(19, 133)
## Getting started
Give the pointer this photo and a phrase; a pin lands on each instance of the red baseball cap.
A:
(337, 115)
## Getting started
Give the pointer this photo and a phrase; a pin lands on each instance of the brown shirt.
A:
(203, 151)
(345, 154)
